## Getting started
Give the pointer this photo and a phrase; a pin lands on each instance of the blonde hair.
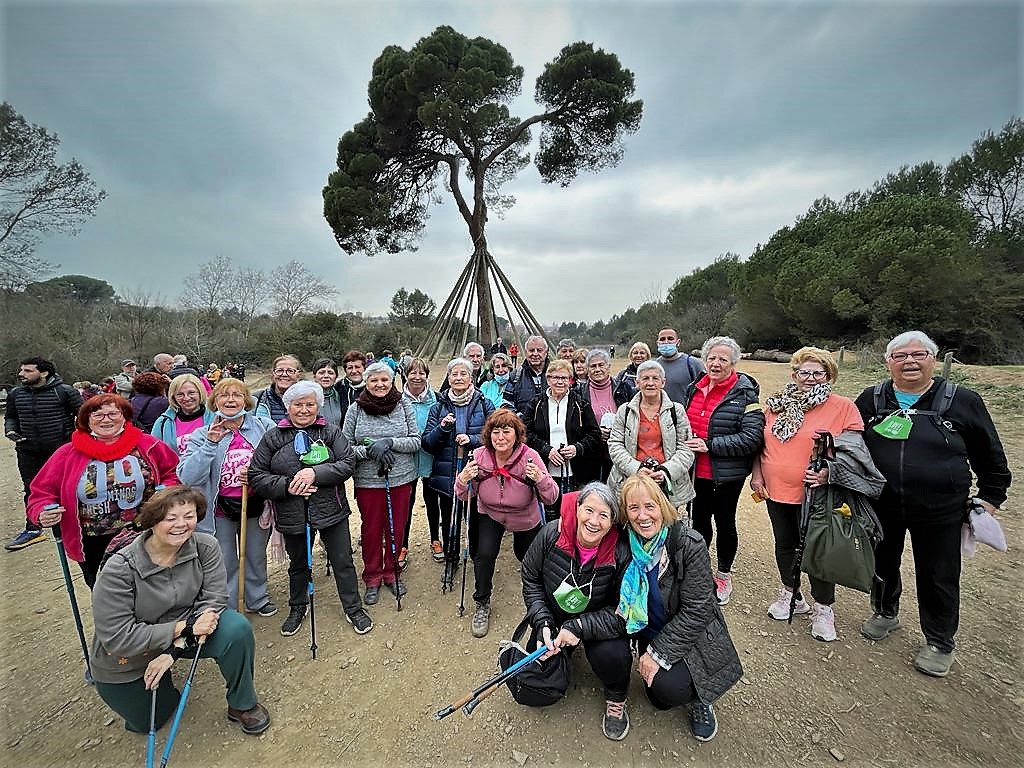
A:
(221, 386)
(816, 355)
(561, 363)
(669, 514)
(178, 382)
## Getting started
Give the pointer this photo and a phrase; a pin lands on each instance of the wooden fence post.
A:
(947, 364)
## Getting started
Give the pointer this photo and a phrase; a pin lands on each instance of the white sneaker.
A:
(823, 623)
(723, 587)
(779, 610)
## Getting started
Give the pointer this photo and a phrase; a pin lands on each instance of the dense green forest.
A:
(930, 247)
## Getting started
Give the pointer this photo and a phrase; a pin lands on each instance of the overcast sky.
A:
(213, 126)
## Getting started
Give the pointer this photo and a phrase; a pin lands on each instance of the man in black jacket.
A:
(926, 437)
(39, 419)
(526, 385)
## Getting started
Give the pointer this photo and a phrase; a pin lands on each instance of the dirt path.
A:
(369, 700)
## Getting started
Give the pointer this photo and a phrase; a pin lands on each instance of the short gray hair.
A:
(501, 356)
(459, 361)
(603, 492)
(302, 389)
(465, 349)
(566, 343)
(598, 353)
(721, 341)
(650, 365)
(908, 337)
(535, 337)
(378, 367)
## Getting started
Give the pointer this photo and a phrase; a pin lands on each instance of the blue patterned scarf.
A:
(634, 590)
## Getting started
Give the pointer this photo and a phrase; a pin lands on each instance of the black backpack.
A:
(539, 684)
(945, 401)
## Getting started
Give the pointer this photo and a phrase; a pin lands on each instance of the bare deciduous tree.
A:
(295, 290)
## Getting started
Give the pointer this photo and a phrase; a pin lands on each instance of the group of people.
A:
(614, 490)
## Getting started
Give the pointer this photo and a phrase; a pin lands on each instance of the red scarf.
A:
(97, 449)
(567, 530)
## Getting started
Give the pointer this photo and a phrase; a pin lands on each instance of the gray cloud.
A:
(213, 127)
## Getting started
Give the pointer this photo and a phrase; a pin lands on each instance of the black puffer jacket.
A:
(520, 391)
(735, 430)
(581, 430)
(275, 462)
(928, 475)
(547, 564)
(695, 631)
(43, 415)
(440, 441)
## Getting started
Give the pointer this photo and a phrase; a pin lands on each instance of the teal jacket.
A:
(421, 407)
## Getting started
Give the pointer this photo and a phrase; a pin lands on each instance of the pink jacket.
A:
(508, 500)
(57, 483)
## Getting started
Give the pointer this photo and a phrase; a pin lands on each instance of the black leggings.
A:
(488, 544)
(671, 687)
(93, 548)
(718, 502)
(611, 660)
(786, 527)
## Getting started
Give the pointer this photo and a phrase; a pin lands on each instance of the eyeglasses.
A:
(917, 355)
(106, 416)
(559, 378)
(816, 375)
(285, 371)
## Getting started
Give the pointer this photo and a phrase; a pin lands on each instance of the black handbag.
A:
(541, 683)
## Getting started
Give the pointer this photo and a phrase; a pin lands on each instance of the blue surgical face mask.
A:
(225, 417)
(668, 350)
(502, 378)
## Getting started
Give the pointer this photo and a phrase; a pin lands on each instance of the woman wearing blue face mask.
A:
(216, 462)
(501, 369)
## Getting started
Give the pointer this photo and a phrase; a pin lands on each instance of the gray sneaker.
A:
(879, 627)
(481, 619)
(615, 725)
(932, 661)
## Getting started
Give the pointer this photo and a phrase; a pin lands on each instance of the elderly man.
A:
(926, 435)
(681, 369)
(475, 354)
(526, 384)
(162, 364)
(566, 349)
(123, 380)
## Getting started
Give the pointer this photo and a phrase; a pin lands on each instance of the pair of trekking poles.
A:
(460, 519)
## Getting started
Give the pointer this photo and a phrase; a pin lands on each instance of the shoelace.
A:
(702, 714)
(615, 709)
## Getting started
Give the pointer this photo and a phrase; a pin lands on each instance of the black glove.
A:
(379, 448)
(387, 461)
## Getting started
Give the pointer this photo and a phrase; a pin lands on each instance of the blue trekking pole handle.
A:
(500, 677)
(151, 738)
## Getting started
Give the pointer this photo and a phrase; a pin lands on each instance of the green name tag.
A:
(317, 454)
(895, 426)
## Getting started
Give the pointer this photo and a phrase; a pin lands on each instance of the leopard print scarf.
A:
(791, 404)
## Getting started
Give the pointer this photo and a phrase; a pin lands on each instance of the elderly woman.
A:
(649, 438)
(572, 575)
(560, 427)
(184, 415)
(579, 367)
(350, 386)
(269, 402)
(667, 600)
(163, 589)
(148, 400)
(494, 388)
(95, 485)
(728, 426)
(216, 461)
(382, 429)
(455, 423)
(421, 397)
(793, 415)
(604, 401)
(301, 465)
(325, 373)
(508, 478)
(625, 382)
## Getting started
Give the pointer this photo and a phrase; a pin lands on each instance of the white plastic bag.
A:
(981, 527)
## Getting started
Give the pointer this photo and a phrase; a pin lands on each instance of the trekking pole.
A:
(822, 438)
(309, 576)
(241, 548)
(58, 537)
(498, 679)
(465, 550)
(151, 739)
(181, 704)
(391, 525)
(454, 532)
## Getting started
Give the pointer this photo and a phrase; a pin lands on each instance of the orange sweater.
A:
(783, 464)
